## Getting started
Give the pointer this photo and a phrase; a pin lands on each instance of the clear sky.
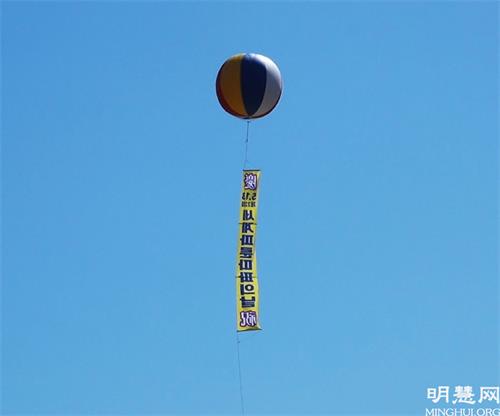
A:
(120, 186)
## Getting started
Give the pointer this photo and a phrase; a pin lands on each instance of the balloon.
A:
(249, 85)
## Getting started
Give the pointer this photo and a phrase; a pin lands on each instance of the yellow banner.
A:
(247, 286)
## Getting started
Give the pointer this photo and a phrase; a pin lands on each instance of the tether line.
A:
(239, 373)
(242, 402)
(246, 146)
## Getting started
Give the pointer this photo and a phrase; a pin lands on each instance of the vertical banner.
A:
(247, 287)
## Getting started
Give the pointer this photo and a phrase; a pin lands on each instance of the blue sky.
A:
(120, 183)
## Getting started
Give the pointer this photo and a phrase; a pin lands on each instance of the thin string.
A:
(242, 402)
(246, 147)
(239, 373)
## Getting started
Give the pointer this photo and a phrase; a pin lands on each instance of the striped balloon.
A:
(249, 85)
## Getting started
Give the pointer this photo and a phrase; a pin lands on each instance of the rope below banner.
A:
(242, 403)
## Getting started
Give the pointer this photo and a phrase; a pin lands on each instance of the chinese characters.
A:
(464, 394)
(247, 291)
